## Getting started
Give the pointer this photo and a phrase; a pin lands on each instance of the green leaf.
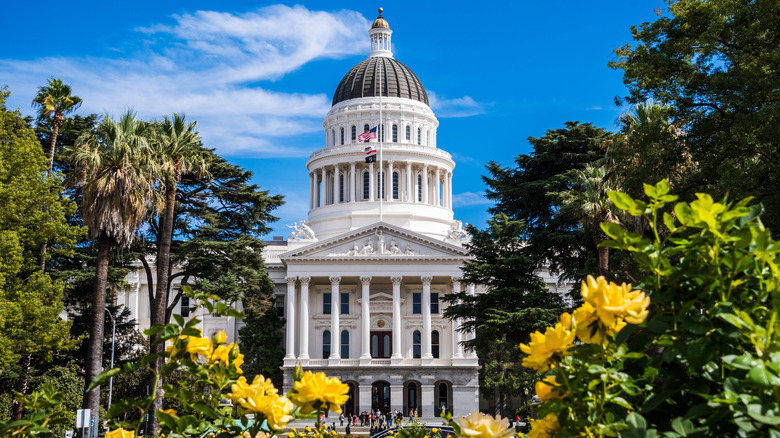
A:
(622, 201)
(103, 377)
(763, 376)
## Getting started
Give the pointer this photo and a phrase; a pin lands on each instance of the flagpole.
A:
(381, 138)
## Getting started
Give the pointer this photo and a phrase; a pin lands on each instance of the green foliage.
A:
(714, 65)
(42, 415)
(33, 214)
(705, 362)
(260, 340)
(554, 238)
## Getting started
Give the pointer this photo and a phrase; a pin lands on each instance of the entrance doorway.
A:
(380, 396)
(349, 406)
(381, 345)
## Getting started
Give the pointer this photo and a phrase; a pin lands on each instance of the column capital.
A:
(290, 280)
(335, 279)
(396, 280)
(455, 279)
(366, 280)
(426, 280)
(304, 280)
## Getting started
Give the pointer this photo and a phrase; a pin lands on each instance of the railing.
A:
(350, 362)
(387, 148)
(273, 253)
(380, 361)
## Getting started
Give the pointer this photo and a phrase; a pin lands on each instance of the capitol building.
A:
(360, 281)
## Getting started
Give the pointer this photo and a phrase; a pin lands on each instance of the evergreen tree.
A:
(260, 340)
(33, 215)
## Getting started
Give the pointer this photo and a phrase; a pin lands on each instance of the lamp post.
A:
(113, 337)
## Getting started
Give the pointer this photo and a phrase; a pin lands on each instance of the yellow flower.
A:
(120, 433)
(543, 346)
(545, 427)
(261, 396)
(220, 337)
(614, 303)
(546, 389)
(198, 346)
(317, 391)
(434, 430)
(588, 328)
(171, 412)
(293, 429)
(484, 426)
(308, 429)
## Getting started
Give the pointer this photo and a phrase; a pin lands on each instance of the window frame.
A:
(416, 344)
(326, 341)
(327, 303)
(416, 303)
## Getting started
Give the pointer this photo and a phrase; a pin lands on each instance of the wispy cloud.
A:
(464, 106)
(467, 199)
(216, 67)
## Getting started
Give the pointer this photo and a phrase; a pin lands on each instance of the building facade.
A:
(362, 278)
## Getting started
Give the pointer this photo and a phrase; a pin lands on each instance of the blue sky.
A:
(259, 76)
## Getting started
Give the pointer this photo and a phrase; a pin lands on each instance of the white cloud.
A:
(464, 106)
(467, 199)
(208, 65)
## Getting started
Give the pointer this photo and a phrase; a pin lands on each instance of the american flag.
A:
(368, 135)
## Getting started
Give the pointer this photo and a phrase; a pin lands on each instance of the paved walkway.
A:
(301, 425)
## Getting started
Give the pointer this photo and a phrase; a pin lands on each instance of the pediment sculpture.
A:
(457, 233)
(377, 245)
(301, 232)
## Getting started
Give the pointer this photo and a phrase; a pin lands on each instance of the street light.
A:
(113, 337)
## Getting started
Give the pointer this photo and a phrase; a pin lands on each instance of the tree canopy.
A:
(714, 65)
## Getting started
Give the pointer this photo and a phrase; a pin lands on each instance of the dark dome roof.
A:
(363, 81)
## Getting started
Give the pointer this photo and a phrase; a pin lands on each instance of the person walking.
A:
(341, 419)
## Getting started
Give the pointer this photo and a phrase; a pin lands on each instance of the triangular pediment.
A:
(379, 241)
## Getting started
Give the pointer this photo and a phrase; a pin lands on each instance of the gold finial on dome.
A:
(380, 21)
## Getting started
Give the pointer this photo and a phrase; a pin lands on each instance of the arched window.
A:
(366, 177)
(395, 185)
(419, 187)
(419, 136)
(427, 137)
(408, 132)
(435, 344)
(354, 133)
(345, 344)
(380, 187)
(341, 187)
(342, 135)
(395, 133)
(326, 344)
(365, 127)
(416, 345)
(443, 397)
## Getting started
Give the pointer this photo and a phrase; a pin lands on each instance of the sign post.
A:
(82, 421)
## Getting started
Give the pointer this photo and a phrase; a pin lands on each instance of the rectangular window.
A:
(326, 301)
(341, 188)
(185, 306)
(395, 133)
(417, 303)
(279, 303)
(354, 133)
(345, 303)
(395, 185)
(380, 186)
(434, 302)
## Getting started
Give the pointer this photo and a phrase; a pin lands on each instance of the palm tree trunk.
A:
(57, 122)
(160, 302)
(604, 262)
(96, 335)
(21, 386)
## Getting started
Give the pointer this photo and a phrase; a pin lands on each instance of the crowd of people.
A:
(376, 420)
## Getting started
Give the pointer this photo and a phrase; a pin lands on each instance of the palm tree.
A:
(55, 99)
(111, 170)
(588, 201)
(175, 150)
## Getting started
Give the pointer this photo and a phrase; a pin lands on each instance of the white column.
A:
(425, 184)
(437, 188)
(316, 191)
(303, 337)
(449, 189)
(336, 184)
(324, 191)
(409, 191)
(470, 292)
(290, 346)
(335, 307)
(352, 186)
(311, 190)
(371, 185)
(365, 319)
(389, 179)
(457, 348)
(396, 317)
(426, 312)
